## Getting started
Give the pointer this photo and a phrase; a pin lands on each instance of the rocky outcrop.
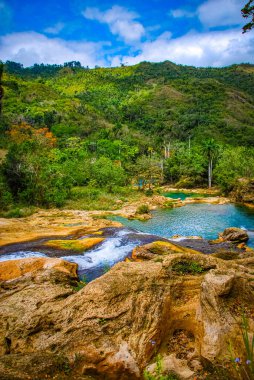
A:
(16, 268)
(74, 245)
(180, 305)
(243, 191)
(149, 251)
(234, 235)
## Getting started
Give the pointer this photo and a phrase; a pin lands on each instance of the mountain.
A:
(148, 102)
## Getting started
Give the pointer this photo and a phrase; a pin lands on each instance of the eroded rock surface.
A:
(235, 235)
(181, 305)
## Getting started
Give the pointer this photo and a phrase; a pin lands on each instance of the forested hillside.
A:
(162, 101)
(66, 126)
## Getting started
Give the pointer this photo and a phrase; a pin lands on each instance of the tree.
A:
(234, 163)
(148, 171)
(107, 174)
(33, 169)
(210, 148)
(248, 11)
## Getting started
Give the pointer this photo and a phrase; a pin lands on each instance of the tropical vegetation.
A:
(70, 132)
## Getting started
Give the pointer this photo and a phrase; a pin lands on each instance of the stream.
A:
(204, 220)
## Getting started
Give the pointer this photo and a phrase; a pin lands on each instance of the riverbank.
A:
(62, 223)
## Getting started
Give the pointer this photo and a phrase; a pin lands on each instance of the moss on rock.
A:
(74, 245)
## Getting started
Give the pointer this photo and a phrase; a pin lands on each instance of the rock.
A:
(114, 327)
(172, 364)
(74, 245)
(216, 285)
(187, 237)
(143, 217)
(149, 251)
(15, 268)
(243, 191)
(235, 235)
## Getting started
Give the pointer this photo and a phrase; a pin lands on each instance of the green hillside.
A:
(71, 133)
(162, 101)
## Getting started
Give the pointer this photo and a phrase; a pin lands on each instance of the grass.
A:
(88, 198)
(18, 212)
(187, 267)
(159, 372)
(80, 284)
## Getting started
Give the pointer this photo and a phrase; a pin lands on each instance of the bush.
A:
(186, 183)
(143, 209)
(149, 192)
(187, 267)
(19, 212)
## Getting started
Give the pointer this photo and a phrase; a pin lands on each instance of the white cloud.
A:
(121, 22)
(179, 13)
(217, 48)
(55, 29)
(214, 13)
(31, 47)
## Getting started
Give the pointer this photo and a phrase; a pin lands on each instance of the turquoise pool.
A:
(205, 220)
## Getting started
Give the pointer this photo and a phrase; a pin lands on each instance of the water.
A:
(183, 196)
(118, 244)
(205, 220)
(96, 261)
(21, 255)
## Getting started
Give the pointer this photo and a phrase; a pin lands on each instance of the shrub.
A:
(19, 212)
(143, 209)
(187, 267)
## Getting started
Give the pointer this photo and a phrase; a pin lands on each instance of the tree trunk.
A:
(210, 173)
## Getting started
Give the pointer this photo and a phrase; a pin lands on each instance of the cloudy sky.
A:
(108, 33)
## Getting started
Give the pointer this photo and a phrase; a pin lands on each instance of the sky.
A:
(114, 32)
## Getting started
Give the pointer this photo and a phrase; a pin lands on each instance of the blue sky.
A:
(108, 33)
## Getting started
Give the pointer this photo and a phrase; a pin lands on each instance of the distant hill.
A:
(148, 102)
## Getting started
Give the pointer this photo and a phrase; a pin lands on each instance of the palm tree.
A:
(210, 148)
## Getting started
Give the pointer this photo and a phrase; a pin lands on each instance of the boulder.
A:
(157, 248)
(114, 327)
(15, 268)
(234, 235)
(74, 245)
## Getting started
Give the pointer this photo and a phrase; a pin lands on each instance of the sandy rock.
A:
(115, 326)
(15, 268)
(74, 245)
(235, 235)
(149, 251)
(193, 237)
(173, 365)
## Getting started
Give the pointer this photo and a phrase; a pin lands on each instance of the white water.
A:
(112, 250)
(21, 255)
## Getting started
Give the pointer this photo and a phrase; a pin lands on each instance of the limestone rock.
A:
(15, 268)
(235, 235)
(74, 245)
(149, 251)
(114, 327)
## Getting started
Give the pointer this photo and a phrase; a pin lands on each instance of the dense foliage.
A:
(248, 13)
(102, 129)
